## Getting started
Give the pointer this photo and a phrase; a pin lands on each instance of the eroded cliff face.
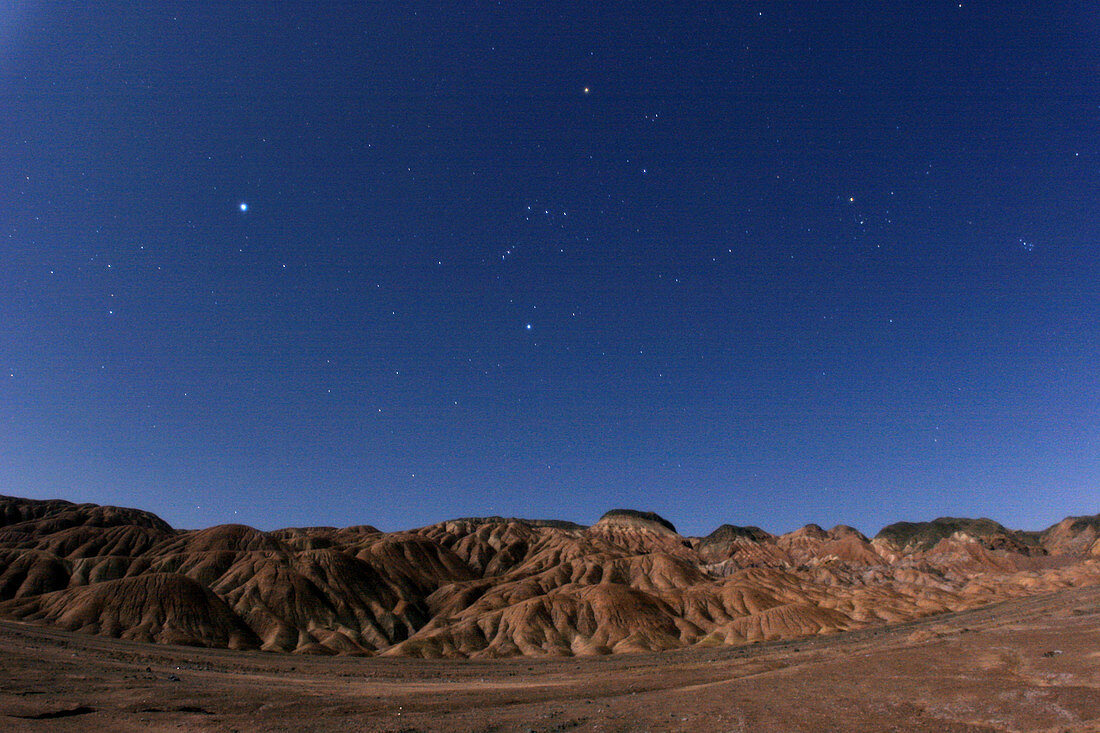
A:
(504, 587)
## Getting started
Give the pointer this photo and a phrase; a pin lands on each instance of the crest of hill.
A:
(224, 538)
(726, 541)
(1075, 525)
(553, 523)
(731, 532)
(634, 518)
(725, 537)
(913, 536)
(841, 531)
(53, 515)
(1071, 535)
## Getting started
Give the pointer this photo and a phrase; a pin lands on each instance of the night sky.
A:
(290, 263)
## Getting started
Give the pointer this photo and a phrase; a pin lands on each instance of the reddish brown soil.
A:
(1026, 664)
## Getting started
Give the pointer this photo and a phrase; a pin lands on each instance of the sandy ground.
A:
(1028, 664)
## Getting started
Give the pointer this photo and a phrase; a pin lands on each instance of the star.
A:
(587, 90)
(528, 327)
(243, 206)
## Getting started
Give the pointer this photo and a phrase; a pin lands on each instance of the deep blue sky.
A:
(780, 263)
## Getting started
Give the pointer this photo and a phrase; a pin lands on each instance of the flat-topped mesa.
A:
(630, 518)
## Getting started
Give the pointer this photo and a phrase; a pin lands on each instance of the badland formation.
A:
(497, 587)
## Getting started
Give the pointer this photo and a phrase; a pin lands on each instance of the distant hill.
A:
(925, 535)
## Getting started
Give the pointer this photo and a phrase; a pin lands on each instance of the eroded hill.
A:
(497, 587)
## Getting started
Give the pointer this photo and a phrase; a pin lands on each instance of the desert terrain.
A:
(115, 620)
(1028, 664)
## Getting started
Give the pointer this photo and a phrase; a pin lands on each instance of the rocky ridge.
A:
(498, 587)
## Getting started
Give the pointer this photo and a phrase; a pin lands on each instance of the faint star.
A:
(587, 90)
(528, 327)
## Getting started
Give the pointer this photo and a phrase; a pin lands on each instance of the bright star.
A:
(528, 326)
(243, 206)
